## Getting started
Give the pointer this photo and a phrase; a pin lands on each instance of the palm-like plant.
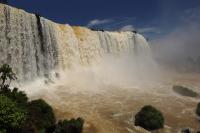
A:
(6, 73)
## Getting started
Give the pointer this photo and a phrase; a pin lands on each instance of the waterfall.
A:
(34, 46)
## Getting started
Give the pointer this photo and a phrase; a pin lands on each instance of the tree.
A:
(41, 114)
(19, 97)
(149, 118)
(6, 73)
(70, 126)
(11, 117)
(17, 115)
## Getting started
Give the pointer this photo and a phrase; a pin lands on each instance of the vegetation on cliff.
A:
(11, 116)
(70, 126)
(18, 115)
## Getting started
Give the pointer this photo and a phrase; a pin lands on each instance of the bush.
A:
(41, 114)
(17, 115)
(19, 97)
(149, 118)
(198, 109)
(11, 117)
(70, 126)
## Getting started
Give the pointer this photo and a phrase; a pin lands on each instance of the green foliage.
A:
(19, 97)
(17, 115)
(2, 131)
(149, 118)
(70, 126)
(6, 73)
(198, 109)
(41, 114)
(184, 91)
(11, 117)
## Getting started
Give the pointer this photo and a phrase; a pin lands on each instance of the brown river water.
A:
(111, 108)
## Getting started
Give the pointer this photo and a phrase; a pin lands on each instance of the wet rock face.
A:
(187, 130)
(185, 91)
(34, 46)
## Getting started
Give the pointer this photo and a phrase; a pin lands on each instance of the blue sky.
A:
(153, 18)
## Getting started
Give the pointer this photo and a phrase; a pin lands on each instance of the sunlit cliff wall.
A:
(34, 46)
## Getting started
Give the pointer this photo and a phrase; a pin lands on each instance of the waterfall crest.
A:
(34, 46)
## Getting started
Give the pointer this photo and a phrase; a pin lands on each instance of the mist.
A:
(125, 71)
(180, 47)
(179, 44)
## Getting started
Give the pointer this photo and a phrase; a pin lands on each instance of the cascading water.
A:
(34, 46)
(102, 87)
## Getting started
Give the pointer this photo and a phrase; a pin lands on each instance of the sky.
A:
(152, 18)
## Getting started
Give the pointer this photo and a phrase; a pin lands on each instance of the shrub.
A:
(19, 97)
(149, 118)
(17, 115)
(198, 109)
(70, 126)
(41, 114)
(11, 117)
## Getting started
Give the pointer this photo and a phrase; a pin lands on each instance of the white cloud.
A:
(191, 15)
(127, 28)
(149, 30)
(98, 22)
(141, 30)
